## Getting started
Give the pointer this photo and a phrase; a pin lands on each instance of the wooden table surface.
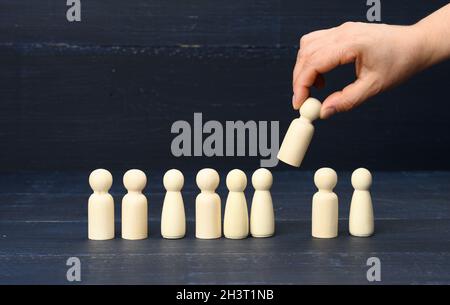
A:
(43, 222)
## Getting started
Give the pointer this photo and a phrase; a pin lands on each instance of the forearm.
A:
(434, 31)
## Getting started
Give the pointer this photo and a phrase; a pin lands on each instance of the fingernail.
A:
(293, 102)
(327, 112)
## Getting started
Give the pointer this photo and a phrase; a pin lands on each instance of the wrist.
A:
(422, 45)
(434, 31)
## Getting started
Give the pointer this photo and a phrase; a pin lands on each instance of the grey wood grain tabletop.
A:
(43, 222)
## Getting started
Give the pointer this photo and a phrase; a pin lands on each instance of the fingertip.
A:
(295, 104)
(298, 103)
(329, 106)
(327, 112)
(299, 97)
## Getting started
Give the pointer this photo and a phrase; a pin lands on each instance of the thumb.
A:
(347, 99)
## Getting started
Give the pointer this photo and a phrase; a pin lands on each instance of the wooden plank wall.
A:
(104, 92)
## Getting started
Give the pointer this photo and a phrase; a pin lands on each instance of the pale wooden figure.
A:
(325, 210)
(361, 222)
(100, 206)
(299, 134)
(236, 223)
(262, 219)
(134, 206)
(173, 218)
(208, 212)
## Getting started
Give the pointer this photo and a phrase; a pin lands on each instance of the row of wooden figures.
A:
(325, 204)
(208, 222)
(208, 206)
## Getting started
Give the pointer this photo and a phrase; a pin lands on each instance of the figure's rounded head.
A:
(325, 178)
(311, 109)
(100, 180)
(236, 180)
(207, 179)
(134, 180)
(173, 180)
(262, 179)
(361, 179)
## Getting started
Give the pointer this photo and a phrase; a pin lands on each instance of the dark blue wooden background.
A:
(104, 92)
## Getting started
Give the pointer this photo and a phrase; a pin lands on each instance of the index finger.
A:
(310, 67)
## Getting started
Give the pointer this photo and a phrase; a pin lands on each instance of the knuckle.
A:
(345, 105)
(377, 86)
(294, 82)
(347, 25)
(306, 54)
(347, 54)
(304, 40)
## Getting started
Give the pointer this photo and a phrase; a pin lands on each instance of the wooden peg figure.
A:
(173, 218)
(299, 134)
(262, 219)
(134, 206)
(325, 205)
(236, 223)
(208, 214)
(361, 222)
(100, 206)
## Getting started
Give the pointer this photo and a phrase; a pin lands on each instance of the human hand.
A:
(384, 56)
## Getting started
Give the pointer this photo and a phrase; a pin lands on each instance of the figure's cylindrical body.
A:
(208, 216)
(101, 216)
(235, 225)
(262, 219)
(361, 222)
(134, 216)
(325, 215)
(173, 218)
(296, 142)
